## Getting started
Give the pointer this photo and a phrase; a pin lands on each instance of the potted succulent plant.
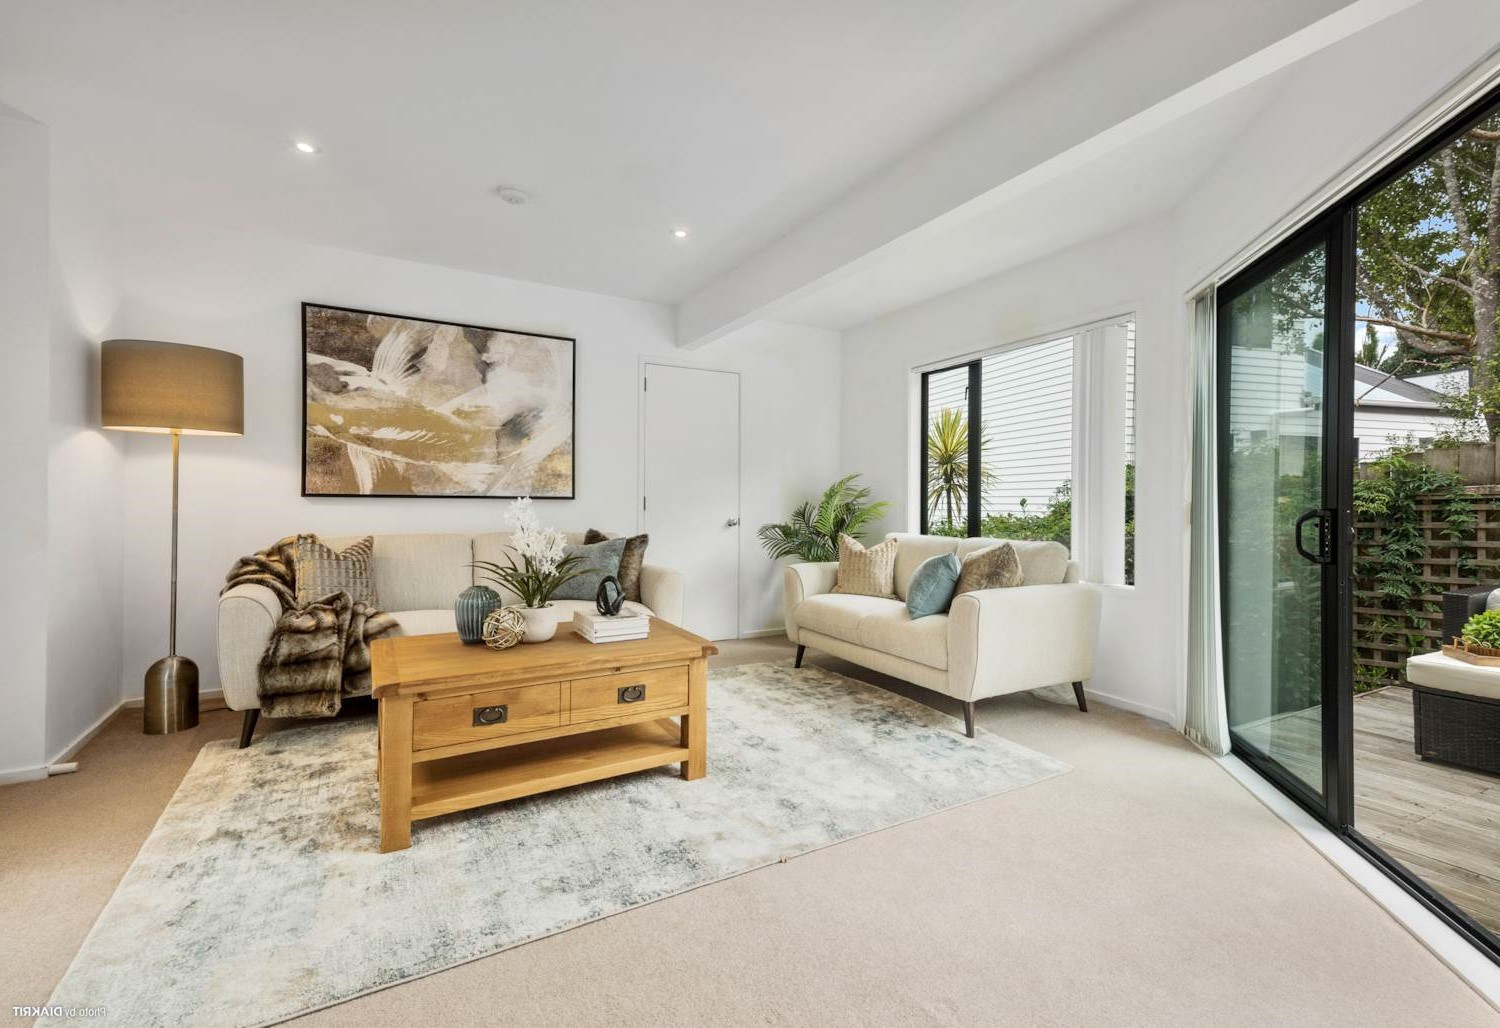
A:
(1480, 641)
(544, 565)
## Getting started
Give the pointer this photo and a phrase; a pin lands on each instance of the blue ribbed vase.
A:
(473, 606)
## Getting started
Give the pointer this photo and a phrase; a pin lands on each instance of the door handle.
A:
(1324, 554)
(731, 523)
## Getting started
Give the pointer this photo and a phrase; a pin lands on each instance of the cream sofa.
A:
(991, 642)
(417, 579)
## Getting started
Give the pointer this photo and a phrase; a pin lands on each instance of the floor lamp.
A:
(175, 390)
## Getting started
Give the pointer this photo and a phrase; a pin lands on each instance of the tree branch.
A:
(1465, 341)
(1455, 195)
(1435, 276)
(1484, 135)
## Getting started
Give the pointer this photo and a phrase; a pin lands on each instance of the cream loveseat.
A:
(991, 642)
(417, 580)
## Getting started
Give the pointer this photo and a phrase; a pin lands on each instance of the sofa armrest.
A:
(1461, 604)
(247, 616)
(1009, 640)
(798, 582)
(661, 590)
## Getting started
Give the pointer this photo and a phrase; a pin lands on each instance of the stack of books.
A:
(597, 628)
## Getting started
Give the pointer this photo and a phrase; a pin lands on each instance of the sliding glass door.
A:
(1359, 488)
(1279, 504)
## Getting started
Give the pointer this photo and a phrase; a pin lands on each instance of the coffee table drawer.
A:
(486, 715)
(635, 692)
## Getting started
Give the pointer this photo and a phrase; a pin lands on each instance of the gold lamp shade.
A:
(147, 386)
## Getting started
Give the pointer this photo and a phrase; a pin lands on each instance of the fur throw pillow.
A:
(994, 567)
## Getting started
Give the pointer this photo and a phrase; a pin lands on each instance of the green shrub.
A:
(1483, 629)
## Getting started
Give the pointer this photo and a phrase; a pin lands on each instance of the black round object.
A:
(610, 597)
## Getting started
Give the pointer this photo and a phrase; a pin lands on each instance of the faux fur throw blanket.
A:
(318, 654)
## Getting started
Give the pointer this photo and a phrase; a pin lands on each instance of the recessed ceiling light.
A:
(680, 233)
(306, 147)
(513, 195)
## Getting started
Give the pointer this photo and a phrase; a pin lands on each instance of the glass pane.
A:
(1027, 473)
(947, 451)
(1426, 511)
(1273, 615)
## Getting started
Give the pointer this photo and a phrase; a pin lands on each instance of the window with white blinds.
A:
(1036, 468)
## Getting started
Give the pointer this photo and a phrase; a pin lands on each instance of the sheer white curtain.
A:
(1204, 718)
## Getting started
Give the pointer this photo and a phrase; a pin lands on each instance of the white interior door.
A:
(690, 502)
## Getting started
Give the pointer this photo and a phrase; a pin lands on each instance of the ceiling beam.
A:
(1154, 65)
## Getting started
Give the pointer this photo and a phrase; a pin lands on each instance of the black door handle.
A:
(1324, 554)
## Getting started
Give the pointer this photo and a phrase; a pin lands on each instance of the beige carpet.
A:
(1146, 887)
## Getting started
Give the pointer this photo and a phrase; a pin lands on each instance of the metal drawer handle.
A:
(490, 715)
(630, 694)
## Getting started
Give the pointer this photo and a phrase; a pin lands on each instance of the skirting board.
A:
(213, 700)
(1478, 970)
(1123, 703)
(763, 633)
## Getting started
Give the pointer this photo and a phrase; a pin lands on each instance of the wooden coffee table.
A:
(465, 726)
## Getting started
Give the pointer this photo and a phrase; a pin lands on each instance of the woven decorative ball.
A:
(503, 628)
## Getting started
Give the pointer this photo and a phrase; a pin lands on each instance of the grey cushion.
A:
(630, 561)
(931, 588)
(600, 560)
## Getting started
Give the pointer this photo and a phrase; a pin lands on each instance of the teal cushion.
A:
(932, 585)
(599, 561)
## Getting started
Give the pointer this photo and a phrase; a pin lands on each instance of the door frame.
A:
(644, 363)
(1335, 805)
(1339, 217)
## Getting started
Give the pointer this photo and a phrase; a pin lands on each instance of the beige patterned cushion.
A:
(993, 567)
(321, 571)
(866, 572)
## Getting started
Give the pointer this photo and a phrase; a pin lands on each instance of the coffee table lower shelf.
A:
(492, 776)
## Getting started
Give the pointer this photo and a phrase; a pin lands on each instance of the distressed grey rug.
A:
(259, 894)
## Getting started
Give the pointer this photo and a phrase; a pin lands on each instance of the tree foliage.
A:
(1429, 266)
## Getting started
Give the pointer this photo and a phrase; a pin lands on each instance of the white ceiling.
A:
(1139, 181)
(737, 120)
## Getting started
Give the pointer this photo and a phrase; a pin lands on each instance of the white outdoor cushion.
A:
(893, 631)
(1438, 671)
(839, 614)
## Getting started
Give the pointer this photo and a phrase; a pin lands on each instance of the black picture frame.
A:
(308, 305)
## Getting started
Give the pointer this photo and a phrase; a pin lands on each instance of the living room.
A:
(673, 274)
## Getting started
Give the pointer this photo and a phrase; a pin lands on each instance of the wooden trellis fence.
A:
(1383, 638)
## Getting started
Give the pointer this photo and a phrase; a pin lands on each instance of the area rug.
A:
(259, 895)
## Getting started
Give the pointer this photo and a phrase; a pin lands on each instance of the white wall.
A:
(1142, 641)
(23, 444)
(241, 293)
(84, 477)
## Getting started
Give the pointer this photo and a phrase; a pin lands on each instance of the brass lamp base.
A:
(171, 696)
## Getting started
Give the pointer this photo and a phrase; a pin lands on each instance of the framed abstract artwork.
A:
(399, 406)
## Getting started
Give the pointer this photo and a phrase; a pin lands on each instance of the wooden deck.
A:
(1442, 822)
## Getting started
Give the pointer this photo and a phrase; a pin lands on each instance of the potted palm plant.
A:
(812, 533)
(544, 566)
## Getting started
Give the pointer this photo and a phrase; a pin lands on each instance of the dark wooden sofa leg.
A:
(1083, 704)
(800, 651)
(969, 718)
(247, 730)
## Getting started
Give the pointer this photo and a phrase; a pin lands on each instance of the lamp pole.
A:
(172, 682)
